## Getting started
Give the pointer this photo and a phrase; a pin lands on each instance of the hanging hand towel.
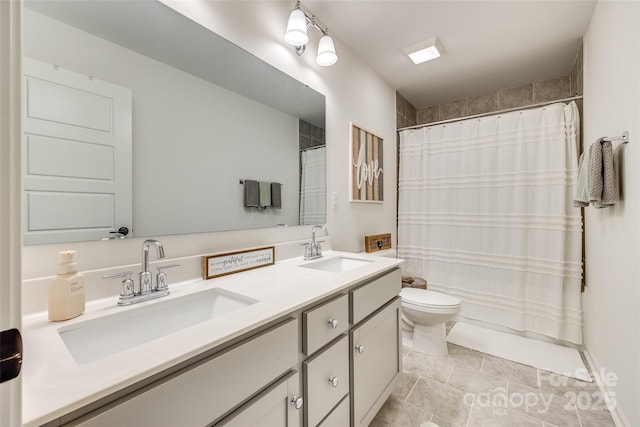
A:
(276, 195)
(609, 179)
(265, 194)
(581, 200)
(594, 172)
(251, 194)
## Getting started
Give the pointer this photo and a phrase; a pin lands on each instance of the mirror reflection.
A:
(136, 116)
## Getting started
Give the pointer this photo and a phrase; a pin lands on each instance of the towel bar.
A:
(624, 138)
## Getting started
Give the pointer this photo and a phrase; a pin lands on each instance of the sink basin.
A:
(99, 338)
(337, 264)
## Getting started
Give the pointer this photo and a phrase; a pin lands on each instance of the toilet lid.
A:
(421, 297)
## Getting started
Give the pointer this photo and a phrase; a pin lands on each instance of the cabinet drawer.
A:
(368, 298)
(203, 393)
(321, 395)
(324, 323)
(339, 416)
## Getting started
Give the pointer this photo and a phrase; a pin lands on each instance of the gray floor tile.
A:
(399, 414)
(405, 350)
(549, 407)
(464, 356)
(513, 371)
(559, 384)
(437, 421)
(485, 415)
(406, 383)
(442, 400)
(476, 382)
(595, 418)
(432, 367)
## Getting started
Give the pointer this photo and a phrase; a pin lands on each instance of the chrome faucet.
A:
(145, 274)
(147, 290)
(313, 250)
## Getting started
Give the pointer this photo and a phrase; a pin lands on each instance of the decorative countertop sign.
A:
(234, 262)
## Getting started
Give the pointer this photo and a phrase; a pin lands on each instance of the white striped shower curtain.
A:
(485, 214)
(313, 184)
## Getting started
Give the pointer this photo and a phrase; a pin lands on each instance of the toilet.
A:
(424, 314)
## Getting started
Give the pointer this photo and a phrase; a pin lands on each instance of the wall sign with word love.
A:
(366, 177)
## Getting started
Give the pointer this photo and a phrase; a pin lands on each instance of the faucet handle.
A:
(161, 277)
(126, 289)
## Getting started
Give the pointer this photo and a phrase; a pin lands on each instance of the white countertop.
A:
(53, 384)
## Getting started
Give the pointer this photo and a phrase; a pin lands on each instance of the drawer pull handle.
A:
(360, 349)
(333, 381)
(333, 323)
(297, 402)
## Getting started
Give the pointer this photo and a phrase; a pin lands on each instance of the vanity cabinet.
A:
(330, 364)
(204, 392)
(349, 379)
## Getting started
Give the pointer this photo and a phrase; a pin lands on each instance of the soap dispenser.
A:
(66, 290)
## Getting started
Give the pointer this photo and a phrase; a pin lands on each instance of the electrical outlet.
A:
(334, 200)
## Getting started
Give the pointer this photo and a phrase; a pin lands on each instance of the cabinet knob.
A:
(333, 323)
(297, 402)
(333, 381)
(360, 349)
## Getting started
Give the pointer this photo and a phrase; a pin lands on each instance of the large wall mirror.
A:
(201, 114)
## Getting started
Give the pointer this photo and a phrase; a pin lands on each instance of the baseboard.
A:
(616, 412)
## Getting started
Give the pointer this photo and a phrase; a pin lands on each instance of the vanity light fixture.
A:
(425, 51)
(296, 35)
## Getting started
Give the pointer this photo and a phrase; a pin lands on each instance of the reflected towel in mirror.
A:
(265, 194)
(251, 194)
(276, 195)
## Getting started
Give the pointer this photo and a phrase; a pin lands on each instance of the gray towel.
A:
(265, 194)
(609, 179)
(251, 194)
(276, 195)
(581, 200)
(594, 172)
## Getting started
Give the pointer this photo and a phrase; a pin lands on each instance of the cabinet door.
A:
(279, 406)
(376, 362)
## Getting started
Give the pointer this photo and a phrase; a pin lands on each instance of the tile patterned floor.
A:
(467, 388)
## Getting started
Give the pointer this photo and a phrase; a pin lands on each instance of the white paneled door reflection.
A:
(76, 155)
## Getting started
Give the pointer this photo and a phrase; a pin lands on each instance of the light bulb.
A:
(326, 52)
(296, 34)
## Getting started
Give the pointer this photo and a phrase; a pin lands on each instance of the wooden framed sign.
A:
(377, 242)
(235, 262)
(365, 166)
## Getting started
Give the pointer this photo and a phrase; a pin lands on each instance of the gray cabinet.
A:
(376, 362)
(347, 348)
(278, 406)
(206, 391)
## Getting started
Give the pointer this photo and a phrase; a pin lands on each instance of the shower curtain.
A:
(485, 213)
(313, 186)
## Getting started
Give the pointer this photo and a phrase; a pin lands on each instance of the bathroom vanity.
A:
(307, 343)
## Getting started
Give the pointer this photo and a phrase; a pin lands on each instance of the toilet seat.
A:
(420, 299)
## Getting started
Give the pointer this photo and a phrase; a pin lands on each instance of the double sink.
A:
(99, 338)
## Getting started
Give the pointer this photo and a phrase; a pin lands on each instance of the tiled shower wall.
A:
(514, 97)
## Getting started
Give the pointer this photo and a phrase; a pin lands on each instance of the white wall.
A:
(353, 93)
(612, 266)
(192, 140)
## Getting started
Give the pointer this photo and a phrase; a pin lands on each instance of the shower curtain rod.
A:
(508, 110)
